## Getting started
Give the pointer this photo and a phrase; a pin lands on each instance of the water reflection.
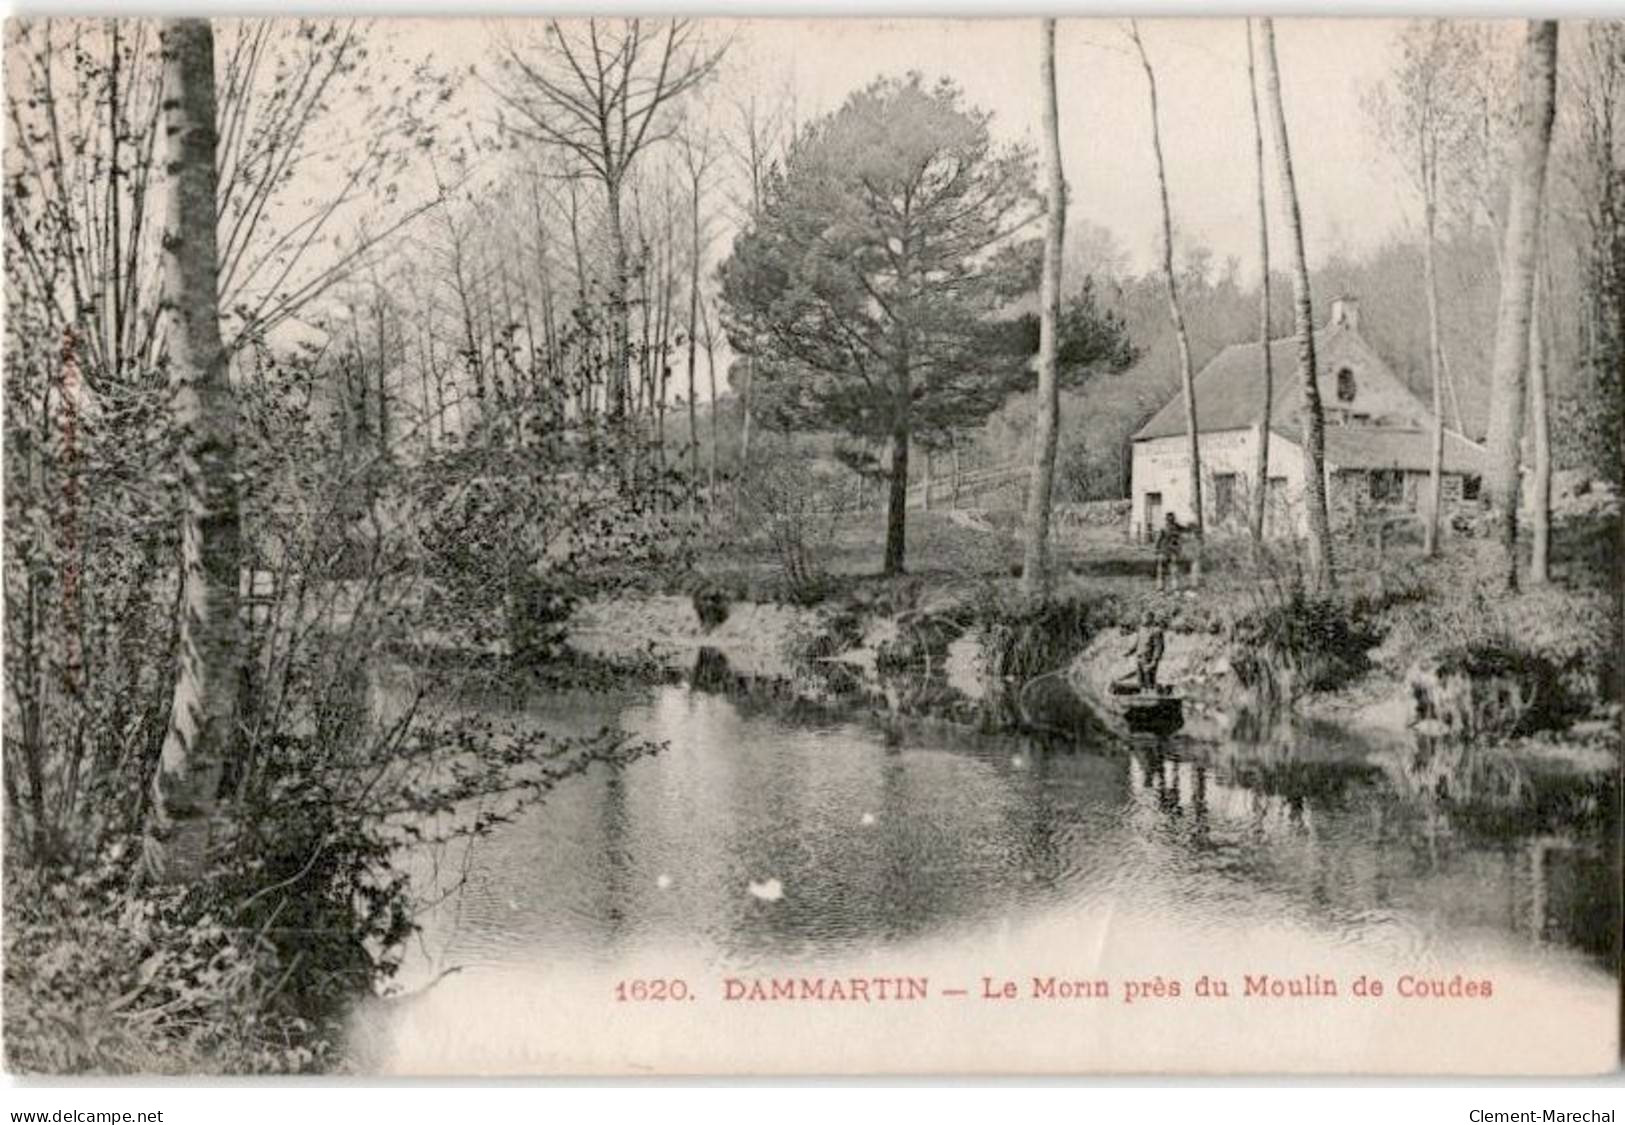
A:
(941, 833)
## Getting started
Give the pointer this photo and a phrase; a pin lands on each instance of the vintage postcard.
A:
(660, 546)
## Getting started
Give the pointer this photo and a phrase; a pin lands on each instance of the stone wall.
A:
(1092, 513)
(1349, 497)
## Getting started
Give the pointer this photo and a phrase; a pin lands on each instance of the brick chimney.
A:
(1346, 313)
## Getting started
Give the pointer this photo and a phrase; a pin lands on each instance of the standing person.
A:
(1168, 545)
(1147, 650)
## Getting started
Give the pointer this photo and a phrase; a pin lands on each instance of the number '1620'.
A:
(653, 988)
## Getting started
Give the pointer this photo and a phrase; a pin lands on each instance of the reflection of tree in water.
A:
(1199, 822)
(964, 828)
(712, 673)
(1574, 895)
(1353, 827)
(1162, 770)
(617, 859)
(825, 681)
(1269, 817)
(1459, 771)
(1039, 839)
(900, 873)
(967, 866)
(1063, 821)
(904, 898)
(967, 828)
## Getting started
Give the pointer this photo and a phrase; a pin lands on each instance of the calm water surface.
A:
(1325, 851)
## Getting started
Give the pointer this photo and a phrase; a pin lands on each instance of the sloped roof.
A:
(1378, 447)
(1229, 390)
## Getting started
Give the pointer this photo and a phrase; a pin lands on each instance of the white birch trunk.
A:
(1176, 315)
(1509, 366)
(1262, 463)
(1314, 421)
(1035, 577)
(203, 713)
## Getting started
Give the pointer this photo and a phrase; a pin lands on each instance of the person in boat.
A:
(1168, 545)
(1147, 649)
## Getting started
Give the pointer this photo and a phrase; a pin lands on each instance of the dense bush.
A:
(99, 980)
(510, 539)
(299, 907)
(1490, 689)
(1021, 640)
(1302, 643)
(837, 629)
(796, 507)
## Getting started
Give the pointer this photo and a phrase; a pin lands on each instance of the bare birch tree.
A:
(1261, 466)
(1314, 421)
(695, 144)
(1035, 577)
(85, 116)
(1423, 115)
(1540, 481)
(599, 89)
(204, 709)
(1176, 315)
(1509, 367)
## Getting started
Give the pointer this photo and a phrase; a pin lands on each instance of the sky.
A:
(1354, 196)
(1352, 193)
(1350, 197)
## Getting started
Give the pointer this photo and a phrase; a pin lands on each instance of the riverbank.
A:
(1368, 659)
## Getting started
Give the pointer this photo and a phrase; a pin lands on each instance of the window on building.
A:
(1224, 496)
(1345, 385)
(1470, 486)
(1387, 485)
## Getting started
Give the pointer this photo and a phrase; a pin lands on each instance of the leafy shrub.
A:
(538, 615)
(1490, 689)
(921, 642)
(1576, 632)
(298, 908)
(1023, 640)
(797, 509)
(835, 631)
(711, 604)
(101, 979)
(507, 539)
(1303, 643)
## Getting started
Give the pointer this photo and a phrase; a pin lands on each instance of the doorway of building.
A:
(1153, 513)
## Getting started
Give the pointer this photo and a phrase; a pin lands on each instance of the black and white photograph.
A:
(657, 545)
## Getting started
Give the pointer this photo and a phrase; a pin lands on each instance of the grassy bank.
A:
(1396, 624)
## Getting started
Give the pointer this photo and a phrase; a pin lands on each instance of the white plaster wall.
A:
(1160, 465)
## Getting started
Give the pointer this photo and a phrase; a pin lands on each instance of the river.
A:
(768, 840)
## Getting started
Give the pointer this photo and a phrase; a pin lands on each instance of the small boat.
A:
(1132, 712)
(1059, 703)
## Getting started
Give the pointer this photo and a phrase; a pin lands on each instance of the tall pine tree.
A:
(877, 265)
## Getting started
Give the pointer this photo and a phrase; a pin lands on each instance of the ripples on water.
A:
(943, 835)
(772, 839)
